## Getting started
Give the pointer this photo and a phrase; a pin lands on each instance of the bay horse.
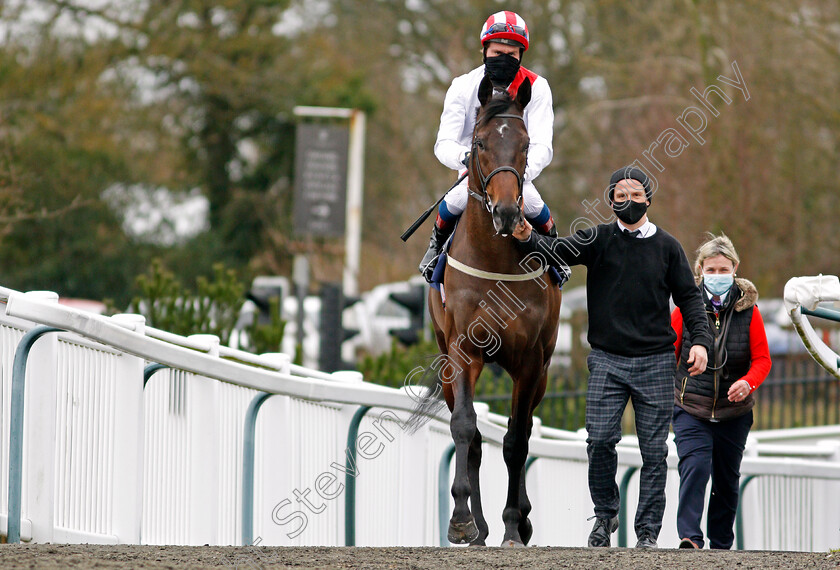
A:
(497, 308)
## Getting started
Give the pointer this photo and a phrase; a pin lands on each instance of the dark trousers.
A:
(648, 382)
(709, 449)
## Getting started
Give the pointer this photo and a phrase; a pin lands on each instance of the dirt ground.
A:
(95, 556)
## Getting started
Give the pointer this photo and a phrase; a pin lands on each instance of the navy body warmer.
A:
(705, 396)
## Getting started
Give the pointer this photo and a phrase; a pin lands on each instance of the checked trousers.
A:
(647, 381)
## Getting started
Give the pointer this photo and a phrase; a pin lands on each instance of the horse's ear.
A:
(523, 94)
(485, 91)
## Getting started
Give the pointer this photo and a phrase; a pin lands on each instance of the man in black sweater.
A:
(633, 268)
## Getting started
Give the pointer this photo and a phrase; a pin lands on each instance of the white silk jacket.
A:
(458, 120)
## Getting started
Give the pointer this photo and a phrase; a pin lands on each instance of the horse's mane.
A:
(496, 105)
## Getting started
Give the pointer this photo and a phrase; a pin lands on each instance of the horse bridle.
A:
(485, 180)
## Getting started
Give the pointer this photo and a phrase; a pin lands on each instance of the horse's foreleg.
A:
(462, 527)
(515, 451)
(528, 390)
(525, 528)
(475, 491)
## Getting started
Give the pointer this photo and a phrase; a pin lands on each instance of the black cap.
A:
(631, 173)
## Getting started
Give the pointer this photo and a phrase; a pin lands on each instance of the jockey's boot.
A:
(439, 237)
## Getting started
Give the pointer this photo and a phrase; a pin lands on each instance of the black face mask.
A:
(629, 212)
(501, 69)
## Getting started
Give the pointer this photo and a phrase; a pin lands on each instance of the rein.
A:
(485, 180)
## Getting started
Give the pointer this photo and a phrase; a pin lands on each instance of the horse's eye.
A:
(479, 144)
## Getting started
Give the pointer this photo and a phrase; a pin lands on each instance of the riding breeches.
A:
(455, 202)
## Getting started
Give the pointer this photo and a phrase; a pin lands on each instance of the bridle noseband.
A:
(485, 180)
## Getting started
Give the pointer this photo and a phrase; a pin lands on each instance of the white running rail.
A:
(107, 461)
(804, 295)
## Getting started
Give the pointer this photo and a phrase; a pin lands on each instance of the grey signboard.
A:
(320, 180)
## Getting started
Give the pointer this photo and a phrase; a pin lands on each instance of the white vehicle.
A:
(376, 315)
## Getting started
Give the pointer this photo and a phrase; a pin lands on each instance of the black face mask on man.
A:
(629, 211)
(501, 69)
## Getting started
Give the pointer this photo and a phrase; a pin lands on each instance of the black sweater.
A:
(628, 285)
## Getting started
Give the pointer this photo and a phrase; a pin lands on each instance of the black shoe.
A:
(604, 527)
(646, 540)
(430, 259)
(688, 543)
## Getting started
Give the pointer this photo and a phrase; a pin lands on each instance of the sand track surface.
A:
(124, 556)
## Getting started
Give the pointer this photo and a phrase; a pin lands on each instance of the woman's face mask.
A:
(719, 283)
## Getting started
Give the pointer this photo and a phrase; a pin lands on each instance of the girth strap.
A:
(455, 264)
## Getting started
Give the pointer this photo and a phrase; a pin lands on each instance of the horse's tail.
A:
(427, 394)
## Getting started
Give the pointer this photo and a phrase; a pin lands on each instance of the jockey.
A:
(504, 38)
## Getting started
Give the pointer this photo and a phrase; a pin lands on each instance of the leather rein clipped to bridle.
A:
(484, 180)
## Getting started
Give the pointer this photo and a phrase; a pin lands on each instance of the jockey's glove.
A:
(466, 161)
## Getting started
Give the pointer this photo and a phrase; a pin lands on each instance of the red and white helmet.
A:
(505, 27)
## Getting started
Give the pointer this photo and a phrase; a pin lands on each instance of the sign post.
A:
(355, 183)
(329, 179)
(320, 180)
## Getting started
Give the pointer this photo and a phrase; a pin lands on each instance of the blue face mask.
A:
(719, 283)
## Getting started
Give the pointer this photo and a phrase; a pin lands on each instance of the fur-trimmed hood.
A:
(749, 293)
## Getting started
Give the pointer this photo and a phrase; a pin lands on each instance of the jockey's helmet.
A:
(505, 27)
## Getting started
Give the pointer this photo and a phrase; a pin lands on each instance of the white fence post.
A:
(263, 478)
(39, 435)
(128, 440)
(204, 453)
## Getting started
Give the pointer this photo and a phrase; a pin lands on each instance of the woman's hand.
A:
(739, 391)
(523, 230)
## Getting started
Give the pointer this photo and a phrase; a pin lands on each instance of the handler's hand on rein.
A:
(739, 391)
(698, 358)
(523, 230)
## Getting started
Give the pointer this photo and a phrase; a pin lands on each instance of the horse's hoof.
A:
(512, 544)
(478, 543)
(462, 533)
(525, 530)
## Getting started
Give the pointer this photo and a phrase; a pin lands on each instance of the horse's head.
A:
(499, 153)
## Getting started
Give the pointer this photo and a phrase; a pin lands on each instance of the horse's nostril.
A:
(509, 212)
